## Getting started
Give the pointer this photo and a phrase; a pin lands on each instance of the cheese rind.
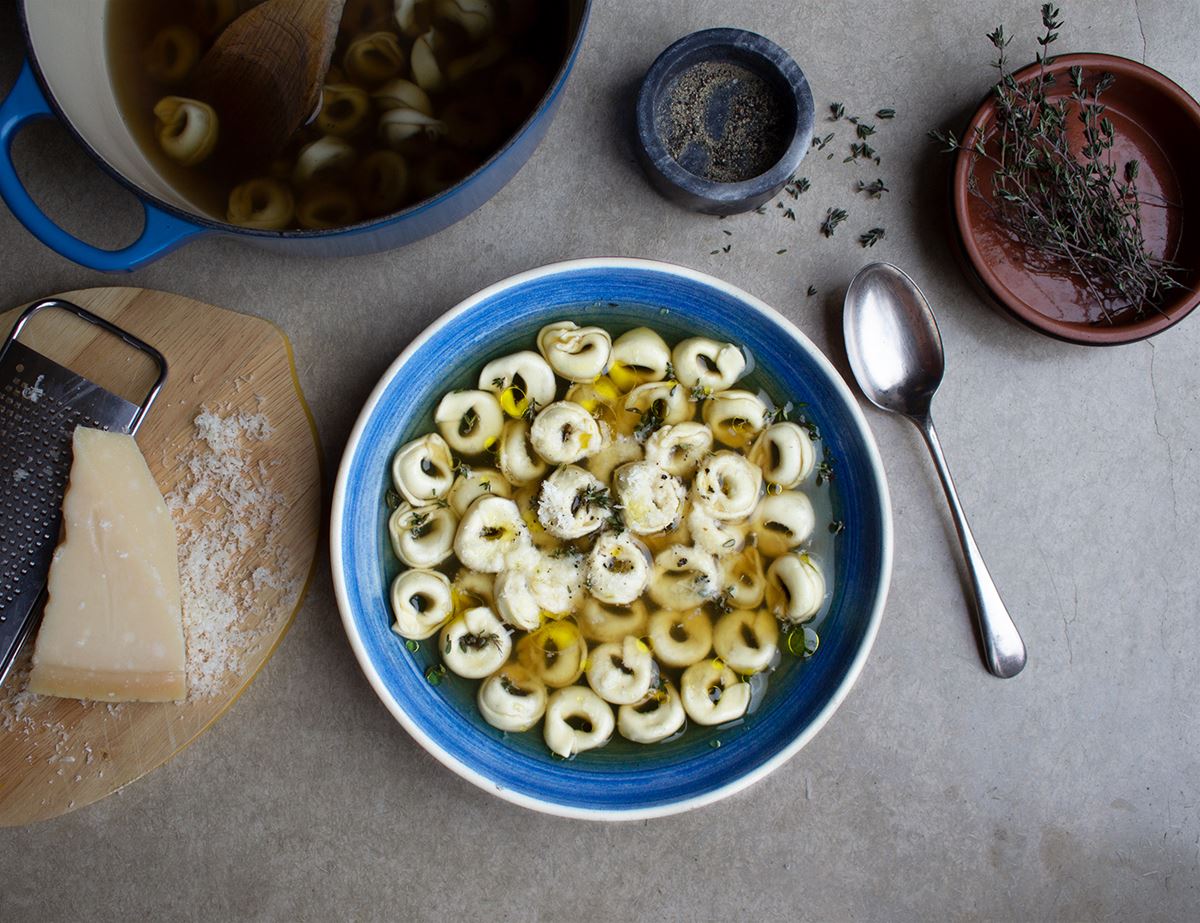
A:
(113, 626)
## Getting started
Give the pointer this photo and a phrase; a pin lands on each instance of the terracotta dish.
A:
(1156, 123)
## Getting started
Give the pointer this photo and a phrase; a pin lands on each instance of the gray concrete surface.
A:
(936, 792)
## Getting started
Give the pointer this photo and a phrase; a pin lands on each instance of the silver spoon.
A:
(895, 351)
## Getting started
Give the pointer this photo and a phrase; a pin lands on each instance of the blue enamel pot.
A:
(67, 76)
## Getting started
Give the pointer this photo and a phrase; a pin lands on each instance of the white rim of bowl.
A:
(462, 769)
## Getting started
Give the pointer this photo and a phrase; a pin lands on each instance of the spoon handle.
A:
(1003, 648)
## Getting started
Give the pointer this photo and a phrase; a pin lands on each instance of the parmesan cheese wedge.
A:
(113, 626)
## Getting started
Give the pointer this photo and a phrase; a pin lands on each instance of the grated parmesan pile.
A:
(242, 518)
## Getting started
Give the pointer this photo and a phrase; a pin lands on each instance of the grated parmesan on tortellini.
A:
(614, 535)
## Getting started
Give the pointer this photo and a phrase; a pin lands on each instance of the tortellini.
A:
(639, 356)
(704, 363)
(265, 204)
(593, 721)
(684, 577)
(621, 673)
(374, 57)
(187, 129)
(426, 70)
(423, 536)
(727, 486)
(678, 448)
(795, 588)
(564, 433)
(680, 639)
(658, 716)
(785, 453)
(575, 353)
(344, 109)
(572, 503)
(713, 694)
(782, 521)
(512, 699)
(477, 17)
(619, 564)
(421, 601)
(172, 54)
(522, 381)
(475, 644)
(651, 499)
(325, 159)
(747, 640)
(423, 470)
(618, 568)
(470, 421)
(491, 530)
(735, 417)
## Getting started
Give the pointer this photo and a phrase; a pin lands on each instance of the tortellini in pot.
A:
(344, 109)
(381, 181)
(618, 568)
(516, 457)
(795, 588)
(522, 381)
(422, 601)
(325, 159)
(713, 694)
(576, 353)
(265, 203)
(651, 500)
(555, 653)
(475, 483)
(680, 639)
(423, 470)
(747, 640)
(188, 129)
(735, 417)
(564, 432)
(572, 503)
(622, 672)
(512, 699)
(603, 622)
(323, 205)
(476, 17)
(727, 486)
(658, 716)
(660, 402)
(743, 578)
(639, 356)
(684, 577)
(470, 421)
(707, 363)
(402, 94)
(785, 453)
(782, 521)
(171, 54)
(426, 70)
(412, 16)
(491, 530)
(475, 644)
(374, 58)
(422, 536)
(679, 447)
(592, 717)
(401, 125)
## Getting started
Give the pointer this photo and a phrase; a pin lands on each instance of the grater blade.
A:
(41, 404)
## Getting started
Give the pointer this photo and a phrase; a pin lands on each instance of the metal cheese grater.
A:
(41, 403)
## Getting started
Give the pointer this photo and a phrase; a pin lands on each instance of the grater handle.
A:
(109, 327)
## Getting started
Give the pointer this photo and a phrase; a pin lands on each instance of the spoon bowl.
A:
(895, 351)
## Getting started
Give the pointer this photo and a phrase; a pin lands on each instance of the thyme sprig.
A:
(1078, 210)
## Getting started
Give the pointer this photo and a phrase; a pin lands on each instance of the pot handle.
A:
(161, 233)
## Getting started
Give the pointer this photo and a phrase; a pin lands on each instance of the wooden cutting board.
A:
(254, 534)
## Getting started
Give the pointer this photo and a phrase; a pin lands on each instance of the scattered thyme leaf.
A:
(833, 218)
(885, 114)
(836, 111)
(812, 290)
(874, 189)
(871, 237)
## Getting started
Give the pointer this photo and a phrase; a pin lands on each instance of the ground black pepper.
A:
(726, 123)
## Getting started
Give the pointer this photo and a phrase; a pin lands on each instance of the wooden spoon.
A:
(264, 74)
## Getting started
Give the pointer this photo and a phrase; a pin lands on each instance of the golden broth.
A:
(380, 146)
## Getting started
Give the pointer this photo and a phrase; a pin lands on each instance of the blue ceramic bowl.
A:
(67, 76)
(620, 781)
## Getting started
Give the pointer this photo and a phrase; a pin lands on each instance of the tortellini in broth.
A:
(601, 581)
(439, 84)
